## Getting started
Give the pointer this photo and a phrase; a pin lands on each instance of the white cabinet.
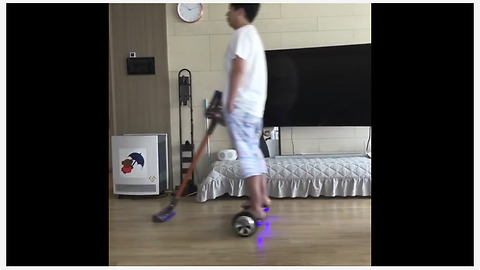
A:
(140, 164)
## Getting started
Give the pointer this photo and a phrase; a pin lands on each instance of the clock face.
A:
(190, 12)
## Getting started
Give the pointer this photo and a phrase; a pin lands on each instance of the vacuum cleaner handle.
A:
(215, 110)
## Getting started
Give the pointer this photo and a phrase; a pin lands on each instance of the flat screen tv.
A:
(321, 86)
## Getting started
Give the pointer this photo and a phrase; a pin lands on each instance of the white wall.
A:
(200, 47)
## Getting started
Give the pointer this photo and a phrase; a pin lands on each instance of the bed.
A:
(293, 177)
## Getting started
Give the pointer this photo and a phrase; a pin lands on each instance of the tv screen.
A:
(321, 86)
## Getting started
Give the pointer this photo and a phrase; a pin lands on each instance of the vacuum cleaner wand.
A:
(215, 113)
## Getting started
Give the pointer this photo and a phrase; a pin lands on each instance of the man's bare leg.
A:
(263, 193)
(266, 198)
(254, 185)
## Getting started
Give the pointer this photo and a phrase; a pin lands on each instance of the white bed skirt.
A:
(292, 178)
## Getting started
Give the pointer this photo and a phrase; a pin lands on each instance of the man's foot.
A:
(258, 213)
(266, 203)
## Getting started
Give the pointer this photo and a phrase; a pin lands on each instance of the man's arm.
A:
(236, 77)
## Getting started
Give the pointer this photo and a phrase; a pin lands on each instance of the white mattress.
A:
(293, 177)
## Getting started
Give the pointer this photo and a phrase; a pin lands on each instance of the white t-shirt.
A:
(246, 44)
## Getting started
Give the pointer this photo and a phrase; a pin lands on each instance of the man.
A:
(244, 97)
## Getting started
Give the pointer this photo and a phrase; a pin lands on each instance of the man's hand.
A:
(231, 106)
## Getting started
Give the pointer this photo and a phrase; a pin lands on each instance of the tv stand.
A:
(279, 155)
(332, 155)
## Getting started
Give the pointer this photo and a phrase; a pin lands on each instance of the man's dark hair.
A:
(251, 10)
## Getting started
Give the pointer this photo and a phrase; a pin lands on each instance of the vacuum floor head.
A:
(166, 213)
(162, 217)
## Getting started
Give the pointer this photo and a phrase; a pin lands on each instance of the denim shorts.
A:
(245, 130)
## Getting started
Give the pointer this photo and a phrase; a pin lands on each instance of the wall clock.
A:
(190, 12)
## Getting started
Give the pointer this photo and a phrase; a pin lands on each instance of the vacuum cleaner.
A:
(244, 223)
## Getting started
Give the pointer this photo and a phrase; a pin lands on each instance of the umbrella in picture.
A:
(138, 158)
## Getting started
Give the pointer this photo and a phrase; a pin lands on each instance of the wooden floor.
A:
(312, 231)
